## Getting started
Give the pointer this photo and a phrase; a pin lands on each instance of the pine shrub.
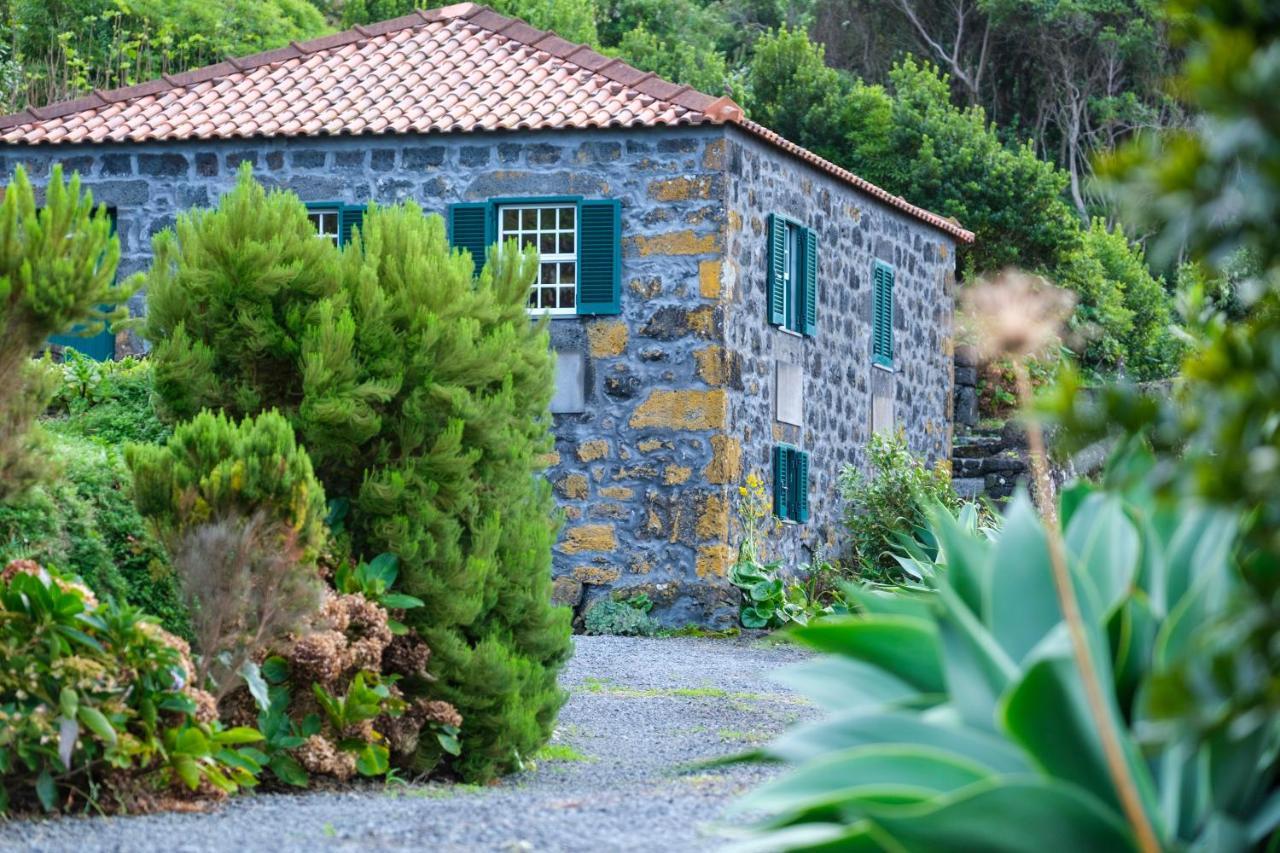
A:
(421, 394)
(57, 270)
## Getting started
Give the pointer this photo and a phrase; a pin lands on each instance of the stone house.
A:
(722, 301)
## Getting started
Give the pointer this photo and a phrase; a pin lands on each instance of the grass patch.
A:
(559, 752)
(436, 791)
(735, 736)
(702, 633)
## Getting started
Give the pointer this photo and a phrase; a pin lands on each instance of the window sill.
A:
(887, 368)
(790, 332)
(538, 315)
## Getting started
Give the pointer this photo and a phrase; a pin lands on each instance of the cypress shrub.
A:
(421, 395)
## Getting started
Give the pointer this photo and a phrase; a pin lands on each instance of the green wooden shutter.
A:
(882, 315)
(800, 488)
(99, 347)
(600, 257)
(777, 270)
(810, 282)
(781, 481)
(471, 227)
(350, 217)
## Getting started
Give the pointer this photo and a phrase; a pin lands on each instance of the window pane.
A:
(547, 275)
(566, 244)
(529, 219)
(568, 273)
(510, 220)
(566, 297)
(566, 217)
(548, 297)
(547, 244)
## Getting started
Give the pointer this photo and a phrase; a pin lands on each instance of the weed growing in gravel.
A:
(560, 752)
(433, 792)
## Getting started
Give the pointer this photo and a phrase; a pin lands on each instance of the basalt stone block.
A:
(235, 158)
(275, 160)
(684, 145)
(117, 164)
(350, 159)
(382, 160)
(307, 159)
(81, 165)
(122, 193)
(544, 153)
(475, 155)
(206, 164)
(509, 152)
(423, 158)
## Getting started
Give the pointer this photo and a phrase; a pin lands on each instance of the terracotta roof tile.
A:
(462, 67)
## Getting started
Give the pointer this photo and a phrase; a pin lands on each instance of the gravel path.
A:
(615, 778)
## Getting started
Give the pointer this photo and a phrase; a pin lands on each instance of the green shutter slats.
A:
(350, 218)
(471, 228)
(810, 282)
(777, 270)
(801, 486)
(781, 482)
(600, 257)
(882, 314)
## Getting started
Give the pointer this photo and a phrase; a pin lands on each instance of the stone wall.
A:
(841, 387)
(678, 388)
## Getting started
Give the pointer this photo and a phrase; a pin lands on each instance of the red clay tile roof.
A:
(457, 68)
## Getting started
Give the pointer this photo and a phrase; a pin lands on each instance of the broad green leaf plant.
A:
(959, 719)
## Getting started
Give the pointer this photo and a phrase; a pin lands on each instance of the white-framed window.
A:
(325, 220)
(552, 229)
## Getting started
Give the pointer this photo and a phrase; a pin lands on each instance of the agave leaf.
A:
(850, 779)
(1034, 815)
(904, 646)
(1105, 545)
(1201, 546)
(867, 726)
(1047, 713)
(877, 600)
(815, 838)
(1022, 602)
(977, 669)
(841, 684)
(967, 558)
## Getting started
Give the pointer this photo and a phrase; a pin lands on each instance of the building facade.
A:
(722, 302)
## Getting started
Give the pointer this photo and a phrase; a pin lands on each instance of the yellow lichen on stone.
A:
(676, 243)
(597, 574)
(547, 460)
(682, 410)
(651, 444)
(948, 346)
(640, 566)
(589, 537)
(607, 339)
(713, 157)
(709, 279)
(712, 367)
(573, 513)
(681, 189)
(619, 493)
(713, 561)
(726, 460)
(674, 475)
(573, 486)
(589, 451)
(702, 321)
(713, 518)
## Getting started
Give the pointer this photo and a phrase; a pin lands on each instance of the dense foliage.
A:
(57, 271)
(959, 717)
(98, 706)
(886, 508)
(420, 395)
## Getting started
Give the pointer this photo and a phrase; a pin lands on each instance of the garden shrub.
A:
(421, 394)
(242, 515)
(85, 522)
(108, 401)
(57, 270)
(890, 504)
(623, 618)
(98, 706)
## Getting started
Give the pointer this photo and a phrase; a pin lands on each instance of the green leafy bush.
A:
(960, 719)
(420, 392)
(621, 617)
(888, 509)
(57, 269)
(86, 523)
(98, 707)
(108, 401)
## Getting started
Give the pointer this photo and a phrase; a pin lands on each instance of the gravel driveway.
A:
(614, 778)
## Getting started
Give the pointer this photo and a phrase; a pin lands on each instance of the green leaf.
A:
(373, 760)
(766, 590)
(384, 568)
(287, 769)
(1034, 816)
(903, 646)
(275, 670)
(46, 790)
(237, 735)
(751, 617)
(967, 558)
(97, 723)
(400, 601)
(398, 629)
(851, 778)
(449, 743)
(1105, 545)
(1022, 599)
(841, 684)
(68, 701)
(257, 685)
(187, 769)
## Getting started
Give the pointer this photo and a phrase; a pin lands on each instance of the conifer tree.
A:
(228, 299)
(421, 396)
(57, 269)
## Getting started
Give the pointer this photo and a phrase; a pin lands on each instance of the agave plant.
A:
(960, 720)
